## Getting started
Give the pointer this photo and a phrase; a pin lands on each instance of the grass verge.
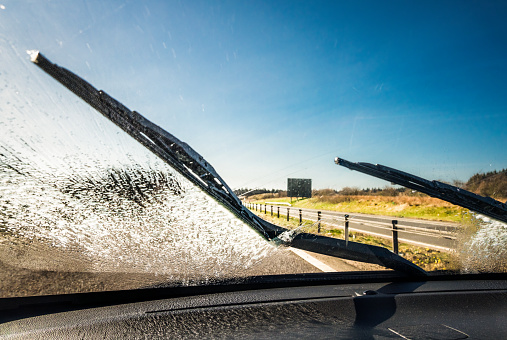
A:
(427, 259)
(428, 208)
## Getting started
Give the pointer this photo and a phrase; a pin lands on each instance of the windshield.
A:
(269, 93)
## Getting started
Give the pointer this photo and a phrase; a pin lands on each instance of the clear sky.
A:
(266, 90)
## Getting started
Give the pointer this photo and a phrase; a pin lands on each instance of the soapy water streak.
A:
(78, 194)
(123, 220)
(485, 250)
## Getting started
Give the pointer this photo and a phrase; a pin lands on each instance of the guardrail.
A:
(343, 221)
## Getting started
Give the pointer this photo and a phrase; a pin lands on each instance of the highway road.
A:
(431, 234)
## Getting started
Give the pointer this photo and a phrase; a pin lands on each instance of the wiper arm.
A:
(483, 205)
(195, 168)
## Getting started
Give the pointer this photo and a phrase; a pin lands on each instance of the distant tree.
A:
(323, 192)
(350, 191)
(490, 184)
(251, 192)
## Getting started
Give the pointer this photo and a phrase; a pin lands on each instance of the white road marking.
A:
(402, 336)
(313, 261)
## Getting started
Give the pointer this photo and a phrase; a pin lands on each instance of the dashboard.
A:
(373, 305)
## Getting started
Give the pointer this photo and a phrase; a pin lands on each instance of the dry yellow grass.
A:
(423, 207)
(399, 200)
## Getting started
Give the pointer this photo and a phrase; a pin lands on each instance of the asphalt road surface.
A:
(431, 234)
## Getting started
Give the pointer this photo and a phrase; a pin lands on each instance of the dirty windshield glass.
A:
(268, 93)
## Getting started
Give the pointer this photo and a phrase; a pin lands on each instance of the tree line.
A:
(490, 184)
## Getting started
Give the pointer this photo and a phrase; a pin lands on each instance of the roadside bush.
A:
(264, 196)
(334, 199)
(350, 191)
(282, 193)
(388, 191)
(323, 192)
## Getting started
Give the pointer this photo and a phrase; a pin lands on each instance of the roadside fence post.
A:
(278, 212)
(346, 230)
(395, 237)
(288, 214)
(318, 219)
(264, 208)
(271, 210)
(300, 216)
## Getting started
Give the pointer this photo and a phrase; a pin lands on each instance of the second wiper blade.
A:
(483, 205)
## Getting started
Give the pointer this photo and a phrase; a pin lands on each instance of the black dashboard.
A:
(372, 305)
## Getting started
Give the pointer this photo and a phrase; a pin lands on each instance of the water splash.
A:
(287, 236)
(123, 219)
(485, 250)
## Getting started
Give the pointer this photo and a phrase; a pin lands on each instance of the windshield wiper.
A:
(483, 205)
(195, 168)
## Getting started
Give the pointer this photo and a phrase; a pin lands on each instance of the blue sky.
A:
(267, 90)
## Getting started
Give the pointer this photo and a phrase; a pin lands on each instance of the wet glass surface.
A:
(83, 207)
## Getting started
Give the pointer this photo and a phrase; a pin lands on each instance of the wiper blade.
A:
(195, 168)
(483, 205)
(166, 146)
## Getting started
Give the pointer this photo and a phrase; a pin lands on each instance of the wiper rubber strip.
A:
(195, 168)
